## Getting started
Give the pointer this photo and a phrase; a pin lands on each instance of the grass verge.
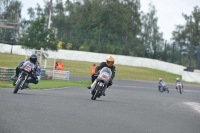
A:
(46, 84)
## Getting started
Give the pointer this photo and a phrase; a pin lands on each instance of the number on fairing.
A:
(104, 76)
(28, 68)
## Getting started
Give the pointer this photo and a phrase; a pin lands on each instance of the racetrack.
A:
(129, 107)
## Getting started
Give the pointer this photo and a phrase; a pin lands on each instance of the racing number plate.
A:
(104, 76)
(28, 68)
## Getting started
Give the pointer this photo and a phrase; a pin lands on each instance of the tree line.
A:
(107, 26)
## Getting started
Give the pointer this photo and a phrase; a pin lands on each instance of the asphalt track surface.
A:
(129, 107)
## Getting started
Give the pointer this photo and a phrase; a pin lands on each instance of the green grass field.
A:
(79, 68)
(46, 84)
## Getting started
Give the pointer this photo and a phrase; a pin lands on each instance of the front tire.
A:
(17, 86)
(180, 90)
(167, 90)
(97, 93)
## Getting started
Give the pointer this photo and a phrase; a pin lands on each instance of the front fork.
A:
(23, 81)
(19, 78)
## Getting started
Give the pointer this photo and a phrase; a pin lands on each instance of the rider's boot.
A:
(91, 88)
(26, 85)
(14, 77)
(159, 89)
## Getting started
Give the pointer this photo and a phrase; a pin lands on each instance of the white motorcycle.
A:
(179, 87)
(101, 82)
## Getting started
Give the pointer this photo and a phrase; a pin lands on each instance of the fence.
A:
(57, 74)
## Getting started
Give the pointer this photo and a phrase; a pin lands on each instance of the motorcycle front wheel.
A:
(17, 86)
(167, 90)
(97, 93)
(180, 91)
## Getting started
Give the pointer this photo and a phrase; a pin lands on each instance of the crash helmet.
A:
(160, 79)
(110, 61)
(177, 79)
(33, 58)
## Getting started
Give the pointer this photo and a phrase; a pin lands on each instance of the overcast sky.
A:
(169, 12)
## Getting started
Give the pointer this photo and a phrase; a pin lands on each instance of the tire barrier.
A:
(7, 73)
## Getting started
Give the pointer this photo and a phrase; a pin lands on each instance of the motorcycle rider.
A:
(159, 83)
(178, 81)
(36, 72)
(110, 64)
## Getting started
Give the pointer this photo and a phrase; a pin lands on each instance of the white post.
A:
(50, 14)
(53, 65)
(40, 56)
(45, 63)
(26, 55)
(49, 25)
(49, 20)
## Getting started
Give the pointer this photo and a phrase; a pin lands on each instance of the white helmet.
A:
(177, 78)
(160, 79)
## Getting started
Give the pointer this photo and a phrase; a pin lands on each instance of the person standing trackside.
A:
(59, 65)
(92, 71)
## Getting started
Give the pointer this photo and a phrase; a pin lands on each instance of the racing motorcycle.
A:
(179, 87)
(163, 87)
(101, 82)
(25, 73)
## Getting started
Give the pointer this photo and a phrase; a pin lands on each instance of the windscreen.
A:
(106, 70)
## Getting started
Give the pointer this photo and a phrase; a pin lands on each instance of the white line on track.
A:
(134, 86)
(193, 105)
(55, 89)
